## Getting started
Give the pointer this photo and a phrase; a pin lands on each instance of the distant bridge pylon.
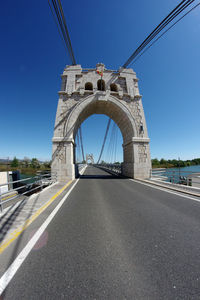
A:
(89, 157)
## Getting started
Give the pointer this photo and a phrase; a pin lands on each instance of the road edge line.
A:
(165, 190)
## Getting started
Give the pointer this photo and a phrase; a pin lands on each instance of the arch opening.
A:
(115, 110)
(101, 85)
(93, 133)
(112, 110)
(89, 86)
(113, 87)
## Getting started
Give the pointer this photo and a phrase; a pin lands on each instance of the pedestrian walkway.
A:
(17, 217)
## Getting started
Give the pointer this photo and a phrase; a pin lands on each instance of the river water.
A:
(184, 170)
(173, 174)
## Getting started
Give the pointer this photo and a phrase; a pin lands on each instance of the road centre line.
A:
(165, 190)
(11, 271)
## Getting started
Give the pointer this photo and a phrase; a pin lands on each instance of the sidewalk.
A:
(17, 217)
(189, 190)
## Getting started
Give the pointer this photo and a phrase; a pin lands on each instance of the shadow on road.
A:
(100, 177)
(6, 222)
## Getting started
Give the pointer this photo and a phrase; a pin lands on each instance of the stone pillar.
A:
(137, 162)
(63, 166)
(130, 76)
(69, 166)
(71, 72)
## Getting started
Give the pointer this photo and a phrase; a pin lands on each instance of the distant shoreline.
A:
(173, 163)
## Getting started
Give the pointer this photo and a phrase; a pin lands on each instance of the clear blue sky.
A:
(33, 57)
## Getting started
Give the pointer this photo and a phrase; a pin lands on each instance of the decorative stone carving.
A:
(61, 153)
(142, 153)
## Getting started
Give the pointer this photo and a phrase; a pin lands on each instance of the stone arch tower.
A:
(89, 157)
(123, 105)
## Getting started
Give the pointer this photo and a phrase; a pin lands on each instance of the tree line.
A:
(26, 165)
(26, 162)
(174, 163)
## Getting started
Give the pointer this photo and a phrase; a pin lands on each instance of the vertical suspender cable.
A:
(104, 140)
(81, 139)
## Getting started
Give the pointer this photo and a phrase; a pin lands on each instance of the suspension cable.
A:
(164, 33)
(104, 140)
(78, 151)
(111, 151)
(81, 139)
(175, 12)
(57, 24)
(63, 27)
(67, 32)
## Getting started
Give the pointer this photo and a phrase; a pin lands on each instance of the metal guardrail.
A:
(80, 166)
(115, 168)
(177, 177)
(31, 184)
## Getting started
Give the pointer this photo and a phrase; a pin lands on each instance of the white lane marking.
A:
(167, 191)
(10, 272)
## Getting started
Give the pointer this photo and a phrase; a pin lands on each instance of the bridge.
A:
(101, 236)
(101, 231)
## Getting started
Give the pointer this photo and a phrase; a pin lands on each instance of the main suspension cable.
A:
(61, 21)
(170, 17)
(67, 33)
(164, 33)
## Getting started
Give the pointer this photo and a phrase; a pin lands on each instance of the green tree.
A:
(26, 161)
(47, 164)
(35, 163)
(15, 162)
(163, 161)
(155, 162)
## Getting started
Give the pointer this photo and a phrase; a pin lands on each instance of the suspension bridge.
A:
(102, 230)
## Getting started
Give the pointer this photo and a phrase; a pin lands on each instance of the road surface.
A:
(115, 239)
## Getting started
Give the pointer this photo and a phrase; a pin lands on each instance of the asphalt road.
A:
(115, 239)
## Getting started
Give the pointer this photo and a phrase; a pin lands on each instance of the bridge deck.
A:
(113, 238)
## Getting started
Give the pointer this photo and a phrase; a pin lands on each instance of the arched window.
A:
(113, 87)
(101, 85)
(88, 86)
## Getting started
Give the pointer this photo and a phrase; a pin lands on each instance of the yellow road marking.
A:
(20, 229)
(5, 198)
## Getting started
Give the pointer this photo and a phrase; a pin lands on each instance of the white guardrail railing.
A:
(177, 177)
(115, 168)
